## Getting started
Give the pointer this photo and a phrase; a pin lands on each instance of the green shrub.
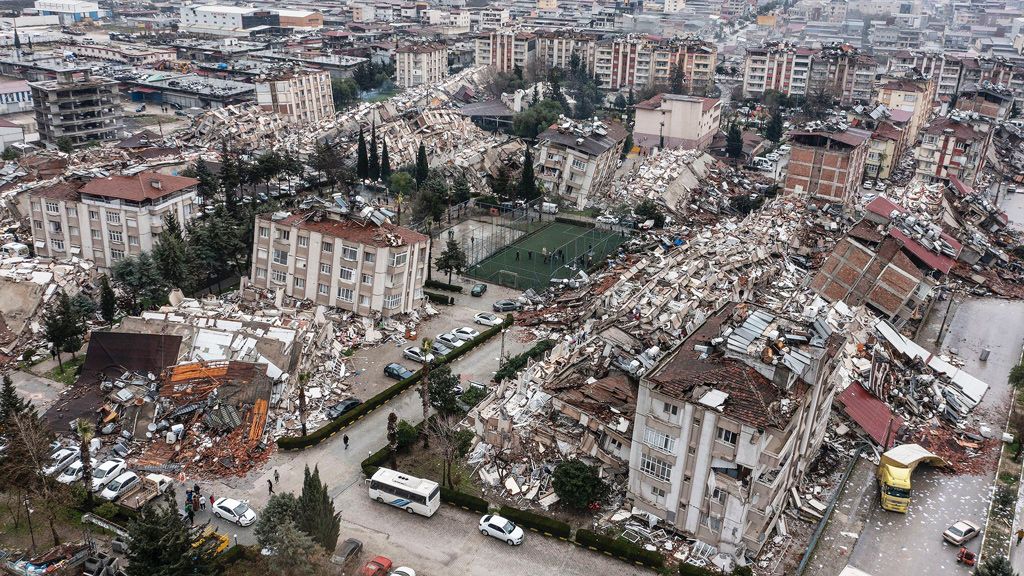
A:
(407, 434)
(456, 498)
(375, 461)
(538, 522)
(691, 570)
(234, 554)
(435, 285)
(439, 298)
(473, 396)
(619, 548)
(27, 355)
(107, 510)
(513, 365)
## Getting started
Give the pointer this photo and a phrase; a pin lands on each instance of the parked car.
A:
(869, 196)
(120, 486)
(416, 354)
(606, 219)
(342, 407)
(60, 460)
(880, 186)
(72, 473)
(505, 306)
(349, 549)
(106, 472)
(141, 108)
(379, 566)
(403, 571)
(501, 528)
(487, 319)
(397, 371)
(449, 339)
(234, 511)
(478, 290)
(869, 184)
(961, 532)
(440, 349)
(627, 223)
(466, 333)
(262, 197)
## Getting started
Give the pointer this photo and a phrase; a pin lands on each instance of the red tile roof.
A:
(871, 414)
(58, 191)
(931, 259)
(142, 186)
(352, 230)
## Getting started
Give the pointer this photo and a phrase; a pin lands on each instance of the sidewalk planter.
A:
(375, 461)
(463, 500)
(334, 426)
(544, 524)
(619, 548)
(442, 299)
(435, 285)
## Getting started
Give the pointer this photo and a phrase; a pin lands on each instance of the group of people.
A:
(194, 502)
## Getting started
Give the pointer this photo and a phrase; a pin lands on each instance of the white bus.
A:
(407, 492)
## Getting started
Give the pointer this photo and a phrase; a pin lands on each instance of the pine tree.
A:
(108, 301)
(374, 163)
(422, 166)
(734, 141)
(773, 131)
(452, 259)
(362, 163)
(207, 187)
(385, 161)
(527, 188)
(678, 77)
(10, 403)
(17, 40)
(58, 325)
(161, 543)
(171, 255)
(316, 515)
(230, 177)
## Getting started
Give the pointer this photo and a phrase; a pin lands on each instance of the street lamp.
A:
(501, 357)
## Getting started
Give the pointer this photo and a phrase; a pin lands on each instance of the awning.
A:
(871, 414)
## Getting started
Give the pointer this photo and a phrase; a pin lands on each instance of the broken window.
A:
(284, 234)
(718, 495)
(712, 523)
(727, 436)
(399, 259)
(658, 495)
(94, 215)
(369, 256)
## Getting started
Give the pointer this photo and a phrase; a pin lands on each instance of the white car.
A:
(120, 486)
(869, 184)
(880, 186)
(487, 319)
(106, 472)
(234, 511)
(606, 219)
(417, 354)
(501, 528)
(60, 460)
(449, 339)
(961, 532)
(403, 571)
(71, 474)
(465, 333)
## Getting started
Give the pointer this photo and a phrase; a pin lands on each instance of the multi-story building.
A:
(15, 96)
(674, 6)
(837, 70)
(674, 121)
(494, 17)
(736, 9)
(127, 54)
(638, 60)
(108, 218)
(77, 106)
(989, 100)
(577, 159)
(422, 63)
(556, 47)
(505, 49)
(69, 11)
(953, 147)
(300, 96)
(909, 93)
(828, 166)
(370, 267)
(223, 20)
(944, 69)
(842, 72)
(299, 18)
(730, 421)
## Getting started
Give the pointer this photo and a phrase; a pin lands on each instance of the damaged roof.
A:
(348, 229)
(142, 186)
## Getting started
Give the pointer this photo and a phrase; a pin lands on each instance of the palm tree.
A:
(425, 390)
(86, 431)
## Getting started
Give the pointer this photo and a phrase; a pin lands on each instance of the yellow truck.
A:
(894, 472)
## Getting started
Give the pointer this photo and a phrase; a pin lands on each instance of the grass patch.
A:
(429, 464)
(66, 374)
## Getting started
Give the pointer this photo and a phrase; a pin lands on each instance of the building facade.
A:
(134, 55)
(505, 49)
(827, 166)
(640, 60)
(838, 71)
(69, 11)
(952, 147)
(108, 219)
(15, 96)
(674, 121)
(301, 96)
(578, 158)
(328, 258)
(423, 63)
(909, 94)
(77, 106)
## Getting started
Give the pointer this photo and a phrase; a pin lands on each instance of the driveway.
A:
(42, 392)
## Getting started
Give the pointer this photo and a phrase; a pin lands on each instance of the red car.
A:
(379, 566)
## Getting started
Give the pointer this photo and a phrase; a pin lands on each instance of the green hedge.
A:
(537, 522)
(456, 498)
(691, 570)
(332, 427)
(233, 554)
(516, 363)
(435, 285)
(619, 548)
(375, 460)
(439, 298)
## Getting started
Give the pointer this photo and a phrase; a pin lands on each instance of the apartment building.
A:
(107, 219)
(674, 121)
(838, 70)
(578, 158)
(781, 67)
(989, 100)
(370, 267)
(953, 147)
(944, 69)
(301, 96)
(494, 17)
(914, 94)
(843, 72)
(556, 47)
(78, 106)
(736, 9)
(421, 63)
(729, 422)
(827, 165)
(638, 60)
(504, 49)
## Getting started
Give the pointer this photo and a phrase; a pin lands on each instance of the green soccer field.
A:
(522, 264)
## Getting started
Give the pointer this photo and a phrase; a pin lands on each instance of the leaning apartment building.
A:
(729, 422)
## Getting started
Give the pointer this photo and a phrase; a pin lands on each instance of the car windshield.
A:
(897, 492)
(508, 527)
(240, 510)
(114, 485)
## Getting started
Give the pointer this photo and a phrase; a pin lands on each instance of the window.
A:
(56, 227)
(658, 495)
(278, 276)
(300, 282)
(57, 244)
(303, 241)
(113, 218)
(349, 253)
(280, 256)
(38, 224)
(691, 450)
(718, 495)
(132, 223)
(35, 206)
(133, 240)
(264, 232)
(73, 230)
(345, 294)
(73, 212)
(94, 215)
(116, 254)
(322, 289)
(727, 436)
(369, 256)
(261, 272)
(368, 279)
(52, 207)
(97, 234)
(399, 259)
(712, 523)
(671, 409)
(327, 246)
(655, 467)
(578, 164)
(284, 234)
(325, 268)
(659, 440)
(116, 237)
(346, 273)
(364, 300)
(392, 301)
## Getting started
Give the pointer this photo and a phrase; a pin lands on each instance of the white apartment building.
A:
(326, 257)
(492, 17)
(784, 69)
(505, 49)
(108, 218)
(422, 63)
(674, 6)
(576, 159)
(301, 96)
(721, 435)
(675, 121)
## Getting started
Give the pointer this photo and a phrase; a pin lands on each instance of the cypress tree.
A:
(374, 163)
(108, 301)
(422, 166)
(527, 189)
(385, 161)
(362, 164)
(316, 515)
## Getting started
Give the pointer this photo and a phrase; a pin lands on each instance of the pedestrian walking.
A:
(1020, 535)
(202, 502)
(517, 255)
(277, 476)
(344, 440)
(211, 501)
(188, 495)
(270, 486)
(191, 516)
(197, 503)
(195, 489)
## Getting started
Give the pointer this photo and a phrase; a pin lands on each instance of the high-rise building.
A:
(638, 60)
(77, 107)
(827, 165)
(576, 159)
(421, 63)
(953, 147)
(300, 96)
(505, 49)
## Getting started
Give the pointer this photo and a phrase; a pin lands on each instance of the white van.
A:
(548, 208)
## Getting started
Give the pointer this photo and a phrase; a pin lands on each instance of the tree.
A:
(344, 91)
(208, 182)
(452, 441)
(11, 404)
(28, 452)
(385, 161)
(997, 565)
(734, 141)
(536, 119)
(773, 131)
(678, 78)
(452, 259)
(171, 255)
(627, 144)
(501, 181)
(295, 552)
(362, 163)
(374, 163)
(281, 507)
(393, 439)
(620, 101)
(527, 188)
(1016, 378)
(10, 153)
(59, 325)
(401, 184)
(407, 434)
(425, 390)
(230, 177)
(585, 108)
(649, 210)
(162, 543)
(442, 388)
(138, 279)
(578, 484)
(460, 189)
(86, 431)
(108, 301)
(65, 145)
(316, 515)
(422, 166)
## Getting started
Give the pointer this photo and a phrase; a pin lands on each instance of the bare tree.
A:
(29, 453)
(425, 389)
(452, 440)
